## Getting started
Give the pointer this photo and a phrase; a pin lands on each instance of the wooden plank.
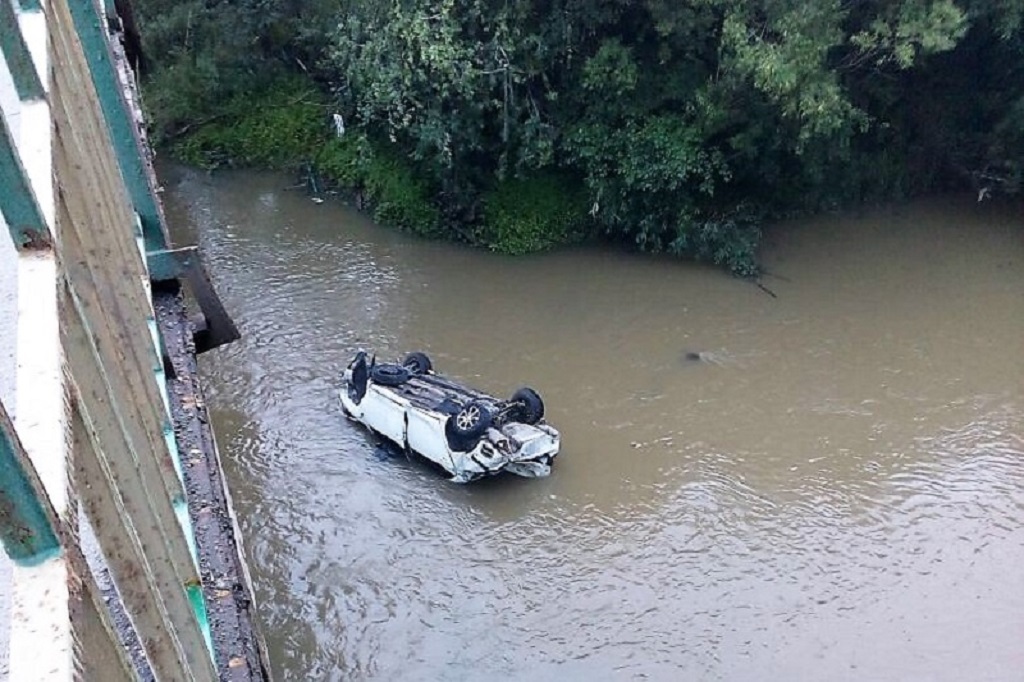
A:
(112, 417)
(114, 500)
(100, 257)
(91, 30)
(98, 653)
(109, 311)
(88, 172)
(105, 384)
(118, 338)
(97, 649)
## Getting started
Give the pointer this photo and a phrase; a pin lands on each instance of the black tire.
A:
(531, 408)
(387, 374)
(417, 363)
(360, 375)
(465, 428)
(456, 442)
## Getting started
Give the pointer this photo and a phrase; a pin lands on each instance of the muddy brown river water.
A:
(835, 492)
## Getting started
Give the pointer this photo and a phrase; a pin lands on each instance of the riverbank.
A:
(668, 129)
(291, 126)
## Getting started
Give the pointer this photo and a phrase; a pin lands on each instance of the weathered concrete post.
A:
(53, 587)
(94, 426)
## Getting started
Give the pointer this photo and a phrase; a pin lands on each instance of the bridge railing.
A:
(88, 431)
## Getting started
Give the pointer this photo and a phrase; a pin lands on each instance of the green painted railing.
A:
(19, 206)
(27, 531)
(18, 58)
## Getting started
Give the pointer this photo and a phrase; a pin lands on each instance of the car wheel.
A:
(417, 363)
(389, 375)
(456, 442)
(531, 408)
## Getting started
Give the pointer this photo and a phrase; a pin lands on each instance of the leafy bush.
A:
(729, 239)
(399, 195)
(396, 192)
(344, 160)
(669, 113)
(178, 95)
(276, 128)
(534, 214)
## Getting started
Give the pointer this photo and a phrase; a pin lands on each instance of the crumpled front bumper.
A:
(519, 449)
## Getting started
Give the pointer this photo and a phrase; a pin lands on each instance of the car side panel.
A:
(426, 437)
(384, 412)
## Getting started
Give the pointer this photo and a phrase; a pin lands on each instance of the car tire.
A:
(456, 443)
(417, 363)
(531, 408)
(465, 428)
(387, 374)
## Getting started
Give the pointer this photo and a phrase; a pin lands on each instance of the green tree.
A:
(684, 123)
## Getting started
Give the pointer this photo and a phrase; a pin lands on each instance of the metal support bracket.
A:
(216, 327)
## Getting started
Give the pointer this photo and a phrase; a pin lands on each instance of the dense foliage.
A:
(673, 125)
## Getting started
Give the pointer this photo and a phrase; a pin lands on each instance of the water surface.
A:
(835, 492)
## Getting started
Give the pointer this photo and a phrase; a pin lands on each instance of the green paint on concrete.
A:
(25, 528)
(168, 264)
(195, 596)
(92, 33)
(18, 202)
(195, 590)
(19, 59)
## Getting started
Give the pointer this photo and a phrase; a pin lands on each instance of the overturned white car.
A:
(467, 433)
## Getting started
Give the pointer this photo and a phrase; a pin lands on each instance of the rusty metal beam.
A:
(185, 263)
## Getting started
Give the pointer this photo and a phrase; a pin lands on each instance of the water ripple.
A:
(829, 501)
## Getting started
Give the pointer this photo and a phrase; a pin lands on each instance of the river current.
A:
(834, 491)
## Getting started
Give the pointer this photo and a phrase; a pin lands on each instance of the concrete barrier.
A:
(99, 425)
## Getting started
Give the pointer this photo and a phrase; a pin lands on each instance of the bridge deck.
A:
(229, 601)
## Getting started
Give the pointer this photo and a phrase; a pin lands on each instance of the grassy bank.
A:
(290, 127)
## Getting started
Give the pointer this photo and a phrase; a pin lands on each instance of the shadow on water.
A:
(831, 490)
